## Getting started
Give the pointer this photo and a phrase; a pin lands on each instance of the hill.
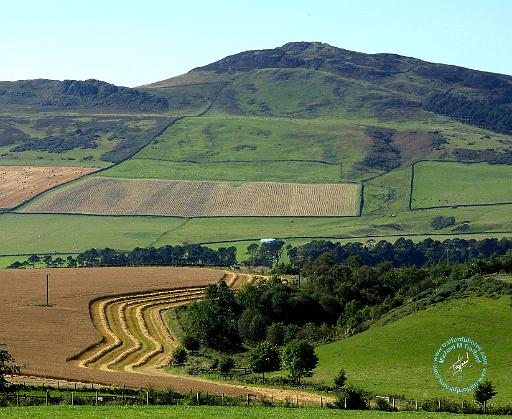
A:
(396, 356)
(390, 83)
(305, 113)
(56, 95)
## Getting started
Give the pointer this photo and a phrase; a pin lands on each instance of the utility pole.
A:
(47, 286)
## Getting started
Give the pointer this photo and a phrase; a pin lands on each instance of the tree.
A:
(226, 364)
(213, 321)
(179, 356)
(275, 333)
(47, 260)
(484, 392)
(191, 343)
(353, 397)
(264, 357)
(339, 380)
(299, 359)
(33, 259)
(7, 367)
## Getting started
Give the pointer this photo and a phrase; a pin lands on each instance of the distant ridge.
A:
(477, 97)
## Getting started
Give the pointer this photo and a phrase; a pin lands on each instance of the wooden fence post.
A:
(96, 398)
(72, 398)
(439, 404)
(248, 399)
(345, 402)
(222, 400)
(296, 400)
(17, 399)
(321, 402)
(197, 397)
(416, 405)
(147, 398)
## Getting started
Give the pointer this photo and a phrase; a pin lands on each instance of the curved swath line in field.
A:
(164, 334)
(126, 324)
(132, 344)
(111, 342)
(230, 278)
(99, 317)
(155, 327)
(147, 343)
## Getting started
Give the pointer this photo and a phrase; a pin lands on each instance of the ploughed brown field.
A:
(111, 196)
(20, 183)
(62, 342)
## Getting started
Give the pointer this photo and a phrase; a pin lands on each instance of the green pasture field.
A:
(294, 172)
(248, 148)
(396, 358)
(206, 412)
(389, 193)
(72, 233)
(439, 184)
(63, 234)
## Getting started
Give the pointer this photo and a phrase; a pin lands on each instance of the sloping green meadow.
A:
(397, 358)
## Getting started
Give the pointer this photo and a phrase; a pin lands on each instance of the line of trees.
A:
(192, 254)
(333, 300)
(403, 252)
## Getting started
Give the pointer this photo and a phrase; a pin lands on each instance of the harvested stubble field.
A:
(199, 199)
(20, 183)
(104, 325)
(44, 338)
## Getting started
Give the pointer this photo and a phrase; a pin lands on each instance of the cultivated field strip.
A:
(111, 196)
(135, 336)
(20, 183)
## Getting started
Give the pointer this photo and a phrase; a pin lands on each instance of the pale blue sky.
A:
(136, 42)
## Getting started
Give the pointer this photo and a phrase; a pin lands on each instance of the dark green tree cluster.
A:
(265, 254)
(494, 115)
(334, 300)
(403, 252)
(187, 255)
(213, 321)
(7, 367)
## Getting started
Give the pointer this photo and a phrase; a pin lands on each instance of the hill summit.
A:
(387, 82)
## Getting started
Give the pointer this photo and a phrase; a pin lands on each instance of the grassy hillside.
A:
(396, 357)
